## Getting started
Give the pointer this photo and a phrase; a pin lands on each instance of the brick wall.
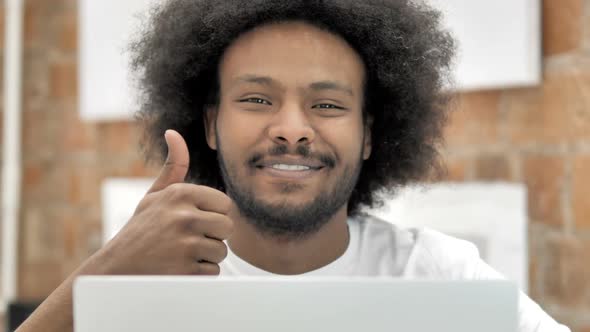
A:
(64, 159)
(539, 136)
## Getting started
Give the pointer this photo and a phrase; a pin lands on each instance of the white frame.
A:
(510, 55)
(493, 212)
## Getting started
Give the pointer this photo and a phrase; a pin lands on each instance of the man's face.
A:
(288, 128)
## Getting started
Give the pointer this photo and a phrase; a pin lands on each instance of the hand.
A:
(177, 228)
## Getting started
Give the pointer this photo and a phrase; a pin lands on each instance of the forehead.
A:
(292, 53)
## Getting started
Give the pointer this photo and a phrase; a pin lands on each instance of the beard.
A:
(284, 220)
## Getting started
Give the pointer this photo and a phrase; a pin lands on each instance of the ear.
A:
(367, 143)
(209, 120)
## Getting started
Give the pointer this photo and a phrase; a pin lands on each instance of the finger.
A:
(213, 200)
(203, 197)
(205, 268)
(177, 162)
(209, 250)
(213, 225)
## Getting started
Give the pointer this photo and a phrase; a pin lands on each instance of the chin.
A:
(285, 200)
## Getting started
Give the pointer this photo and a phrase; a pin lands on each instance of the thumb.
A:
(177, 162)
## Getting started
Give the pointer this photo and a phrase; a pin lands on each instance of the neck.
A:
(290, 257)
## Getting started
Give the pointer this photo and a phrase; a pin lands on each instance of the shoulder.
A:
(382, 233)
(430, 253)
(438, 255)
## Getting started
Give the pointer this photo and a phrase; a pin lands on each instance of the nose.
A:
(291, 126)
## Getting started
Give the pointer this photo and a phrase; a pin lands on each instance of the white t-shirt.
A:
(379, 248)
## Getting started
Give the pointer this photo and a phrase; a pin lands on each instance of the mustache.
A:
(301, 150)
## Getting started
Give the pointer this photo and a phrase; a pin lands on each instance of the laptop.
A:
(255, 304)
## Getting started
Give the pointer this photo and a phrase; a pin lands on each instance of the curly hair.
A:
(406, 53)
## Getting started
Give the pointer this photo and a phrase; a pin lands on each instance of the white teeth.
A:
(285, 167)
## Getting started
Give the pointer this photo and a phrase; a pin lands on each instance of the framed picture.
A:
(493, 216)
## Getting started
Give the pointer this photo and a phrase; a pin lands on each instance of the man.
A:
(280, 120)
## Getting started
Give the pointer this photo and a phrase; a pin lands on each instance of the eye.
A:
(255, 101)
(327, 106)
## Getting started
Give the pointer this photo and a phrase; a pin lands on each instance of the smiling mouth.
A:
(289, 171)
(291, 168)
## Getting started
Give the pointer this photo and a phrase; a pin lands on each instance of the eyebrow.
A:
(331, 85)
(262, 80)
(316, 86)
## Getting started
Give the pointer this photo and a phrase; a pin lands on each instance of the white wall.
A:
(499, 46)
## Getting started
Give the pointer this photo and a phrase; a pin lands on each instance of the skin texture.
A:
(270, 97)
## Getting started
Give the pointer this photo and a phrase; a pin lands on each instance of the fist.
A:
(177, 228)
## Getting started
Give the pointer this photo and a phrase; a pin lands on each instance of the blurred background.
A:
(517, 145)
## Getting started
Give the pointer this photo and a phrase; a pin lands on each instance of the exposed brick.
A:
(534, 291)
(138, 168)
(562, 26)
(38, 16)
(581, 191)
(75, 225)
(536, 248)
(117, 168)
(555, 113)
(31, 30)
(63, 81)
(74, 188)
(457, 169)
(40, 23)
(71, 235)
(493, 168)
(37, 133)
(59, 235)
(117, 137)
(83, 185)
(586, 34)
(68, 32)
(48, 185)
(44, 241)
(82, 232)
(567, 270)
(32, 177)
(38, 280)
(77, 135)
(35, 81)
(474, 120)
(544, 177)
(2, 13)
(90, 235)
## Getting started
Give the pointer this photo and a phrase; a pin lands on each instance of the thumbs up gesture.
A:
(177, 228)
